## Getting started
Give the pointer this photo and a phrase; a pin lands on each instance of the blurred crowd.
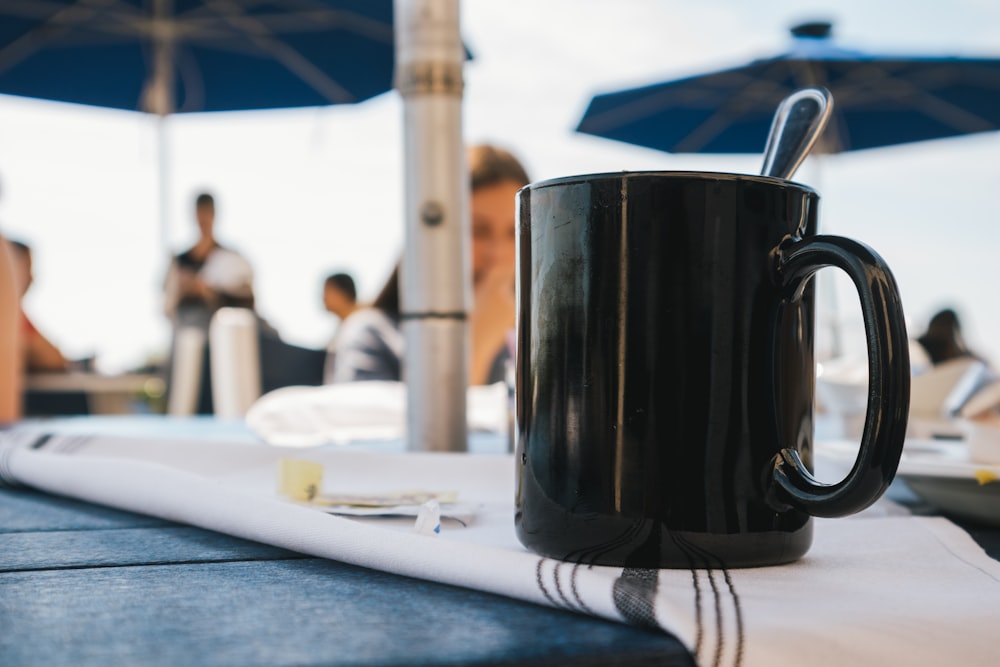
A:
(368, 344)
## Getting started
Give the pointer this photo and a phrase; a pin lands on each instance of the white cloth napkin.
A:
(352, 411)
(872, 591)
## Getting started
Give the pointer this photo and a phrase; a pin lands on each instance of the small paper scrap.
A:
(302, 481)
(984, 477)
(384, 499)
(428, 519)
(299, 480)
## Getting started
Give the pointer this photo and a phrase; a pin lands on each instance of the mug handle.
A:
(788, 483)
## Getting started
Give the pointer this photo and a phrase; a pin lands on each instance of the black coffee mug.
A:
(665, 370)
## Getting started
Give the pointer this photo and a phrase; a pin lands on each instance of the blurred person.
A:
(201, 280)
(371, 346)
(11, 358)
(496, 176)
(40, 354)
(943, 340)
(207, 276)
(230, 279)
(340, 298)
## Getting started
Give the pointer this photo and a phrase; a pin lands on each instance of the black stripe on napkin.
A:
(700, 558)
(540, 582)
(41, 441)
(576, 593)
(5, 474)
(634, 594)
(634, 591)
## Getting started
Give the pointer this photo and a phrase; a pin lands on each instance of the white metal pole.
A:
(435, 281)
(158, 98)
(163, 182)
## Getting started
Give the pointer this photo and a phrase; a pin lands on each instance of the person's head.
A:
(340, 296)
(944, 324)
(496, 176)
(204, 211)
(943, 339)
(22, 265)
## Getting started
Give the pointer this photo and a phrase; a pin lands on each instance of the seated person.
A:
(369, 343)
(40, 354)
(340, 298)
(11, 362)
(943, 340)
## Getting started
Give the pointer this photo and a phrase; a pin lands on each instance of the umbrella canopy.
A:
(878, 101)
(171, 56)
(167, 56)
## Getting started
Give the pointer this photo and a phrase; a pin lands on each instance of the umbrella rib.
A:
(836, 137)
(294, 61)
(757, 90)
(119, 20)
(208, 22)
(932, 105)
(57, 24)
(668, 99)
(958, 118)
(323, 18)
(638, 109)
(756, 97)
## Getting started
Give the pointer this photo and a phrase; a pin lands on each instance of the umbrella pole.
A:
(836, 330)
(158, 98)
(826, 288)
(435, 280)
(163, 182)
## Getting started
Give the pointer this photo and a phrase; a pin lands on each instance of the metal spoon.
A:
(798, 122)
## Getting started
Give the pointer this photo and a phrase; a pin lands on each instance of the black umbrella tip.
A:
(813, 29)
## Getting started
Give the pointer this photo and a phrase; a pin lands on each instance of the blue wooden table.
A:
(83, 585)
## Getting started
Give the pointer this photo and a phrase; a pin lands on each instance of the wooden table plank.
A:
(126, 546)
(87, 585)
(24, 510)
(293, 612)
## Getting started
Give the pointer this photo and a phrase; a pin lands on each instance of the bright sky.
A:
(305, 192)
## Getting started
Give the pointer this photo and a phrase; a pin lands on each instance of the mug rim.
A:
(670, 174)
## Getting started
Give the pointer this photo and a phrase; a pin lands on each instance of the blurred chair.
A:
(243, 360)
(55, 403)
(937, 394)
(186, 372)
(940, 393)
(287, 365)
(234, 361)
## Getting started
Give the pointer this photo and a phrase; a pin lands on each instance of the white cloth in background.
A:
(352, 411)
(872, 591)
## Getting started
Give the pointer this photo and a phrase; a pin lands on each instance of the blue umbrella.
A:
(878, 101)
(171, 56)
(167, 56)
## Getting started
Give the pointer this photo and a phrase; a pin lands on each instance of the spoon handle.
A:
(798, 122)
